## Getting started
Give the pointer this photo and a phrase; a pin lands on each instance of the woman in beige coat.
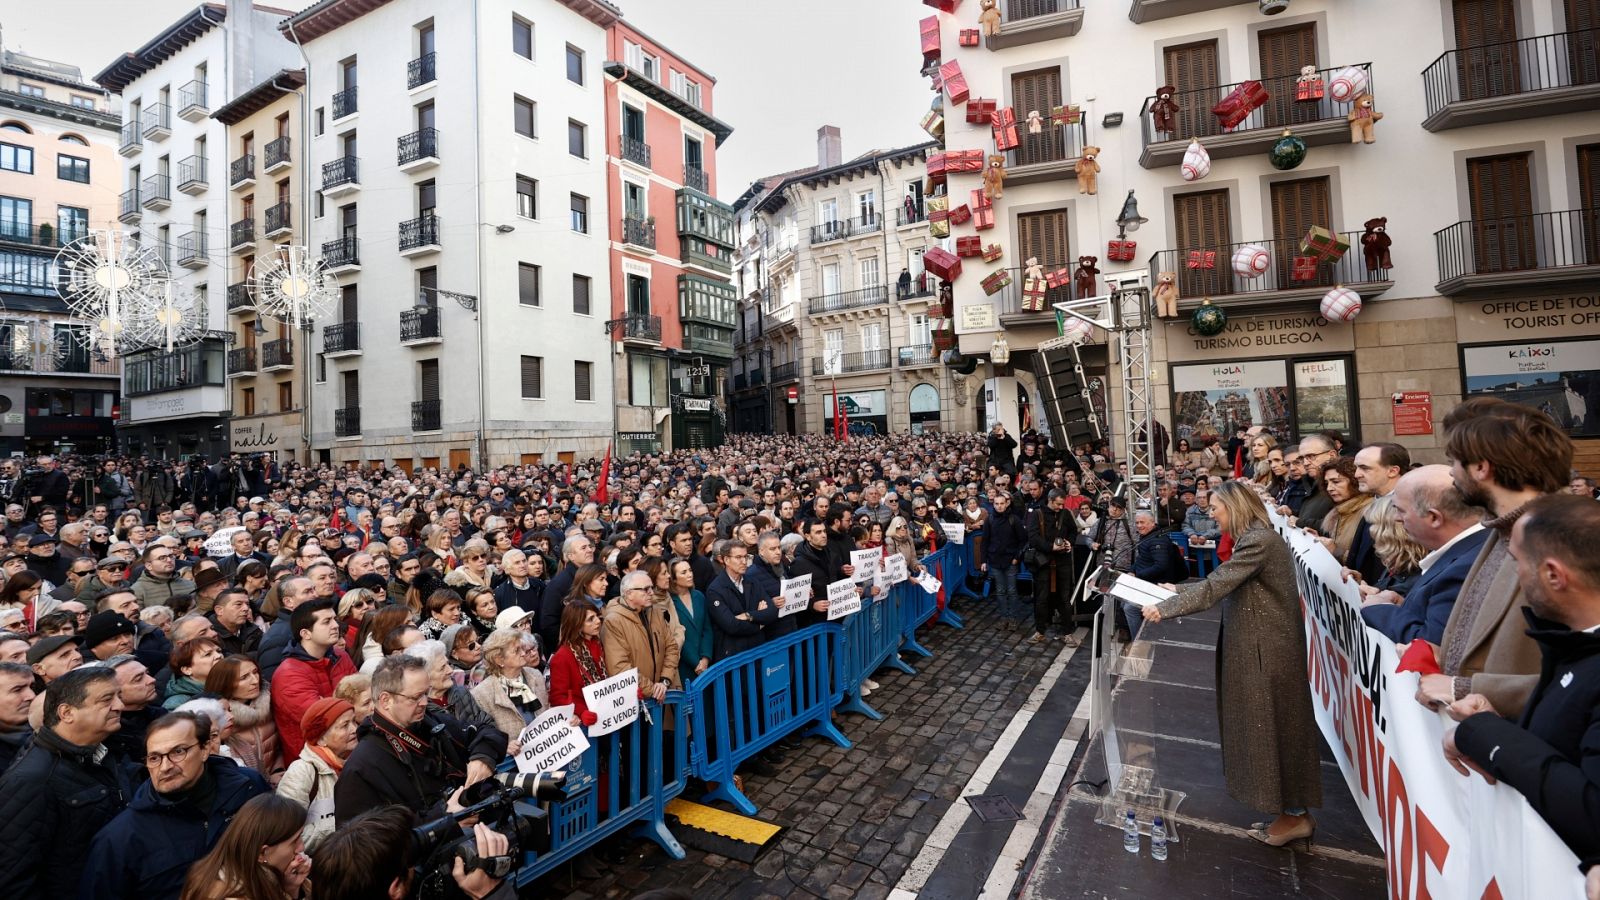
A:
(1269, 735)
(513, 690)
(329, 727)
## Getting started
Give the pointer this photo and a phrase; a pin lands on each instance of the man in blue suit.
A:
(737, 614)
(1435, 515)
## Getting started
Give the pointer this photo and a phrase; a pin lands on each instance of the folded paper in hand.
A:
(1138, 591)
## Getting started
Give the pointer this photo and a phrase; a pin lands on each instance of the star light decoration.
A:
(294, 286)
(174, 320)
(108, 281)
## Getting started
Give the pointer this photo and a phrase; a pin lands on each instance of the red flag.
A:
(1238, 462)
(838, 414)
(600, 493)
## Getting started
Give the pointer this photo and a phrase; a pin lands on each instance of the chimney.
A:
(830, 149)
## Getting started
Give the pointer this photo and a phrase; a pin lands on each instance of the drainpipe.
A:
(305, 235)
(478, 240)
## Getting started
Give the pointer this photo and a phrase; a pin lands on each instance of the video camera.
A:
(499, 803)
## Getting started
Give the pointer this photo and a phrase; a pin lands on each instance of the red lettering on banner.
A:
(1395, 812)
(1431, 848)
(1365, 754)
(1491, 891)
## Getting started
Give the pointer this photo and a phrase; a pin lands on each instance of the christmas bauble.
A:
(1251, 260)
(1196, 162)
(1341, 304)
(1073, 328)
(1209, 319)
(1347, 83)
(1288, 152)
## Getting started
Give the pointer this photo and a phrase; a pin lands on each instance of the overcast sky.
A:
(783, 68)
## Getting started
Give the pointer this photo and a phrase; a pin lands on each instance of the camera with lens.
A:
(506, 803)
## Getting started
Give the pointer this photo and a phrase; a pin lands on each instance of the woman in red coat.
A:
(579, 661)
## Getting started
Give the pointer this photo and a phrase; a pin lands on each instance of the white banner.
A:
(614, 702)
(1445, 835)
(550, 742)
(866, 564)
(842, 599)
(796, 594)
(954, 532)
(220, 544)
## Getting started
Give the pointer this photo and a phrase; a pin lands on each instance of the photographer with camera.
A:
(410, 754)
(376, 857)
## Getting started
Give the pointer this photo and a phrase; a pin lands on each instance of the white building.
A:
(175, 198)
(456, 212)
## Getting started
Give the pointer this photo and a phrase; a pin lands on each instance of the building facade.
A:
(175, 200)
(268, 364)
(468, 238)
(58, 180)
(672, 301)
(1485, 166)
(835, 299)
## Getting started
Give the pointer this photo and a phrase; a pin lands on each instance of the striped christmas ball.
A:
(1341, 304)
(1196, 162)
(1251, 260)
(1348, 83)
(1073, 328)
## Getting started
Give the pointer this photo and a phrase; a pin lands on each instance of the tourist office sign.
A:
(1267, 334)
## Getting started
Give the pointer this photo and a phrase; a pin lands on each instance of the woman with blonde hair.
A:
(474, 570)
(1269, 735)
(513, 690)
(1261, 447)
(1399, 553)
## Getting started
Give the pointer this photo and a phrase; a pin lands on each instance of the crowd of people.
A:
(243, 679)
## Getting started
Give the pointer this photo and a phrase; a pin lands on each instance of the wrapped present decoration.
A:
(955, 83)
(1065, 115)
(930, 39)
(933, 124)
(1340, 304)
(1324, 245)
(942, 262)
(1060, 278)
(960, 215)
(969, 37)
(983, 219)
(948, 6)
(1304, 268)
(1202, 259)
(980, 200)
(943, 339)
(1120, 249)
(1240, 103)
(992, 253)
(970, 161)
(1309, 89)
(980, 110)
(1004, 122)
(994, 281)
(1348, 83)
(968, 246)
(1196, 161)
(1033, 290)
(938, 215)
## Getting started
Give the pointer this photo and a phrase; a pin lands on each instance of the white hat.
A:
(511, 617)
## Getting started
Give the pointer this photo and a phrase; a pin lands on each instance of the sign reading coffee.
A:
(1559, 378)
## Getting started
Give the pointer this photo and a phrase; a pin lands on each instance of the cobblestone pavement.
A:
(856, 818)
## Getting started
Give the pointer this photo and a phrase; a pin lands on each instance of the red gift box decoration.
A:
(1065, 115)
(1240, 102)
(1309, 90)
(983, 219)
(992, 253)
(1120, 250)
(994, 281)
(955, 83)
(942, 263)
(1060, 278)
(942, 5)
(969, 246)
(1202, 259)
(980, 110)
(961, 215)
(1004, 122)
(1305, 268)
(969, 37)
(930, 39)
(980, 200)
(963, 161)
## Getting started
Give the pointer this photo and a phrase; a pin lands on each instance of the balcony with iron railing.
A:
(132, 139)
(845, 363)
(347, 422)
(341, 338)
(1518, 253)
(240, 300)
(277, 154)
(636, 327)
(156, 192)
(22, 231)
(1550, 74)
(420, 325)
(788, 371)
(344, 103)
(242, 171)
(157, 121)
(1009, 305)
(128, 209)
(242, 362)
(871, 223)
(418, 150)
(419, 235)
(918, 355)
(1151, 10)
(420, 71)
(192, 175)
(639, 232)
(1050, 155)
(192, 102)
(635, 151)
(1318, 122)
(425, 415)
(340, 176)
(846, 300)
(192, 250)
(696, 177)
(921, 286)
(1032, 21)
(1275, 286)
(49, 360)
(278, 219)
(342, 253)
(832, 230)
(242, 234)
(278, 354)
(910, 216)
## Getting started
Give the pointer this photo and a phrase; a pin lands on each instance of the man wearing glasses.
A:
(175, 818)
(160, 584)
(1316, 452)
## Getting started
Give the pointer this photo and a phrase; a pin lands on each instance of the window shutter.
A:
(1588, 186)
(1193, 67)
(582, 388)
(429, 380)
(1486, 34)
(1044, 235)
(1203, 224)
(580, 295)
(352, 389)
(532, 377)
(1583, 47)
(1041, 90)
(1296, 207)
(1502, 213)
(1283, 52)
(347, 304)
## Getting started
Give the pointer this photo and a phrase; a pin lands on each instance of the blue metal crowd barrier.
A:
(1201, 560)
(917, 606)
(743, 704)
(957, 564)
(624, 779)
(872, 639)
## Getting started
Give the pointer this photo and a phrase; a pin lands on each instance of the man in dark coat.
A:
(811, 558)
(1005, 539)
(1156, 559)
(236, 629)
(681, 540)
(737, 614)
(1433, 513)
(409, 753)
(764, 581)
(16, 698)
(175, 818)
(1051, 532)
(577, 551)
(1002, 449)
(62, 789)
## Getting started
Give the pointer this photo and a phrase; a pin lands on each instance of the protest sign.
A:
(954, 532)
(928, 582)
(894, 566)
(866, 563)
(220, 544)
(550, 742)
(614, 702)
(842, 599)
(796, 595)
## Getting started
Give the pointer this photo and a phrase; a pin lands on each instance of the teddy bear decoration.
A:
(1361, 118)
(1035, 122)
(989, 18)
(1085, 276)
(1375, 244)
(1164, 112)
(994, 177)
(1308, 88)
(1087, 168)
(1166, 295)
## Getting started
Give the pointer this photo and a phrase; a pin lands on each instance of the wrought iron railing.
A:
(912, 216)
(696, 177)
(1553, 240)
(341, 337)
(22, 231)
(420, 71)
(425, 413)
(1194, 118)
(1053, 144)
(918, 355)
(420, 144)
(635, 151)
(1507, 68)
(636, 327)
(191, 247)
(423, 231)
(242, 361)
(841, 363)
(191, 171)
(1017, 10)
(241, 170)
(344, 251)
(277, 353)
(156, 189)
(239, 297)
(868, 296)
(866, 224)
(638, 232)
(1221, 281)
(344, 102)
(157, 117)
(242, 232)
(276, 152)
(785, 372)
(192, 96)
(132, 136)
(344, 170)
(419, 323)
(347, 421)
(279, 216)
(829, 231)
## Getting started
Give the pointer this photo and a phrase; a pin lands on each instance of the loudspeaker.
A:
(1064, 391)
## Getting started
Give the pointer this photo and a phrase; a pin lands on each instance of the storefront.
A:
(923, 402)
(867, 411)
(1542, 352)
(278, 434)
(65, 420)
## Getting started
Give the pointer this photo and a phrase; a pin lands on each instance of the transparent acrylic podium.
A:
(1124, 716)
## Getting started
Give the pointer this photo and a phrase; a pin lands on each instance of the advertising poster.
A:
(1559, 378)
(1215, 399)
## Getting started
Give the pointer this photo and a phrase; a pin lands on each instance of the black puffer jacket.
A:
(376, 776)
(53, 800)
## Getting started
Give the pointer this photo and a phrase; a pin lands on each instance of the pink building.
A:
(673, 306)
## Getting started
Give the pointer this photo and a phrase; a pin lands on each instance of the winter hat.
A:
(450, 635)
(47, 646)
(321, 716)
(103, 626)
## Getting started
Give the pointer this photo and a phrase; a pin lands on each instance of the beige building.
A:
(59, 179)
(266, 210)
(822, 254)
(1485, 164)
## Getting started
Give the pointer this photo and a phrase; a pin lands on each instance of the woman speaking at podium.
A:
(1269, 737)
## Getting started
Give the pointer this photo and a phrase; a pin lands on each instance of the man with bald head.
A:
(1436, 516)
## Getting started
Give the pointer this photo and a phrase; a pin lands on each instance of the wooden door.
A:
(566, 457)
(405, 465)
(460, 456)
(1589, 190)
(1296, 207)
(430, 462)
(1502, 213)
(1044, 235)
(1040, 90)
(1583, 46)
(1486, 38)
(531, 459)
(1203, 223)
(1283, 52)
(1192, 70)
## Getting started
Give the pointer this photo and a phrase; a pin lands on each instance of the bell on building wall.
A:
(1129, 219)
(1273, 7)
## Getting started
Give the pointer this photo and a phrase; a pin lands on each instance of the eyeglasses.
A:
(176, 756)
(414, 698)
